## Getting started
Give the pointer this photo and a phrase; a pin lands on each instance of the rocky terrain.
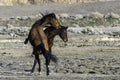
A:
(34, 2)
(92, 52)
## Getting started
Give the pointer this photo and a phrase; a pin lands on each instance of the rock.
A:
(112, 15)
(63, 15)
(96, 15)
(75, 30)
(76, 25)
(77, 16)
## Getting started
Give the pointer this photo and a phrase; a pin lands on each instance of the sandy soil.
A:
(77, 61)
(84, 57)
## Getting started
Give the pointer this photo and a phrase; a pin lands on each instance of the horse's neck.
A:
(52, 35)
(51, 39)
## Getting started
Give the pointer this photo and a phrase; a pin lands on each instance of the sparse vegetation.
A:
(83, 22)
(91, 53)
(90, 21)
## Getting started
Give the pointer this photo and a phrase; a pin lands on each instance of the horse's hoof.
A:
(39, 70)
(38, 73)
(47, 74)
(56, 71)
(32, 72)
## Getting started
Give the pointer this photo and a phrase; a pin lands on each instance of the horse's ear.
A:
(61, 26)
(66, 27)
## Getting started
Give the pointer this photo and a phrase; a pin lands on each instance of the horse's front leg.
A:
(47, 58)
(47, 65)
(46, 54)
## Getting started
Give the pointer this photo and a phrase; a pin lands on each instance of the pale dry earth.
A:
(83, 57)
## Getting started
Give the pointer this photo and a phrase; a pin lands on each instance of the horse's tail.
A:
(26, 40)
(54, 58)
(48, 54)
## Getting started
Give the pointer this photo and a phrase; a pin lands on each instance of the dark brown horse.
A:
(51, 32)
(38, 38)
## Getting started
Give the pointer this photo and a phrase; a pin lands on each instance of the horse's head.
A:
(63, 33)
(52, 19)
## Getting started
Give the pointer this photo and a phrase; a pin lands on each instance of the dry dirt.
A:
(79, 60)
(82, 58)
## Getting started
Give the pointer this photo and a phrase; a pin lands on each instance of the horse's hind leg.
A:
(39, 63)
(33, 68)
(35, 61)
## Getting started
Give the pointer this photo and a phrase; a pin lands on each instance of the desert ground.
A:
(91, 53)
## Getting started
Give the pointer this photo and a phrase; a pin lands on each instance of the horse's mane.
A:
(41, 20)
